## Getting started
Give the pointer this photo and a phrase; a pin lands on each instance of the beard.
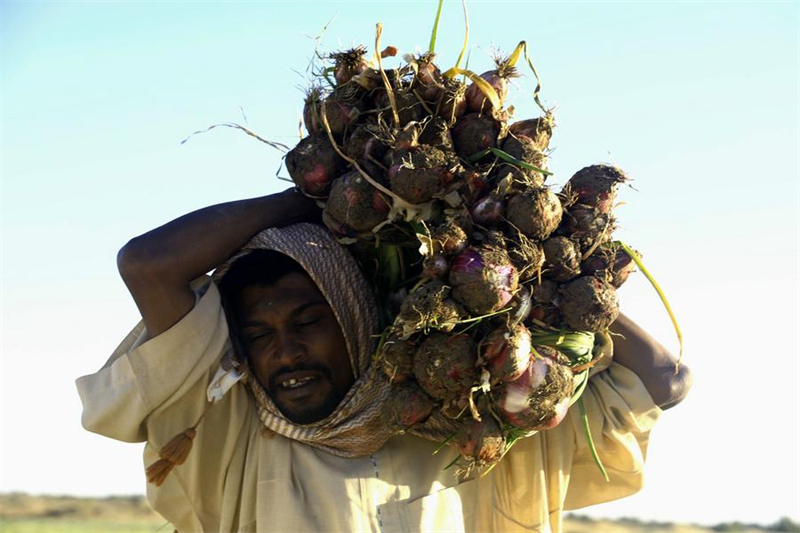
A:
(312, 411)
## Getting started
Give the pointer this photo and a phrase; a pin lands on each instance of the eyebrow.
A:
(296, 311)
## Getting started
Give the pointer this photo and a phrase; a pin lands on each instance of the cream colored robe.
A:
(240, 477)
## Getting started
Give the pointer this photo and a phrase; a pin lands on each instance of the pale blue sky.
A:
(698, 101)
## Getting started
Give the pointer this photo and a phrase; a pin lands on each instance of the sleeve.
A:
(151, 391)
(143, 377)
(621, 415)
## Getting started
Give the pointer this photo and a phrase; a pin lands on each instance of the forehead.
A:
(282, 297)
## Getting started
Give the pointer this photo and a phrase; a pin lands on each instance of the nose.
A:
(289, 349)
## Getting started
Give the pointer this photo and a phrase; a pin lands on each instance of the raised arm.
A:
(159, 266)
(635, 349)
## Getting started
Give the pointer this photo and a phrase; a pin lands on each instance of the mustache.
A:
(275, 378)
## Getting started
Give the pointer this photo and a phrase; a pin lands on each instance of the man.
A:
(301, 447)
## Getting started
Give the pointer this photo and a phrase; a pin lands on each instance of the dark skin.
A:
(159, 266)
(295, 346)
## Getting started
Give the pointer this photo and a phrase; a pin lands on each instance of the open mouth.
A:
(293, 383)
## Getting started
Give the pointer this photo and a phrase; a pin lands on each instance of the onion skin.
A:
(506, 353)
(539, 398)
(613, 267)
(355, 203)
(480, 442)
(313, 164)
(488, 211)
(539, 130)
(596, 186)
(483, 279)
(477, 101)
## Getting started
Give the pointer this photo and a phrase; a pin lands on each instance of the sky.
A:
(696, 101)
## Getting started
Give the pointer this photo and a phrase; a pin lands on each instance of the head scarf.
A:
(355, 428)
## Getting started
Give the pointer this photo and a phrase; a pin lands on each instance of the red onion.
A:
(480, 442)
(488, 211)
(475, 97)
(483, 279)
(596, 186)
(506, 352)
(407, 406)
(313, 164)
(539, 398)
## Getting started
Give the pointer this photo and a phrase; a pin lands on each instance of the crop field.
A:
(23, 513)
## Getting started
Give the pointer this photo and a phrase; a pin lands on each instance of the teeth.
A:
(293, 383)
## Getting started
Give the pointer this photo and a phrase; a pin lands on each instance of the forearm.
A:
(158, 267)
(636, 350)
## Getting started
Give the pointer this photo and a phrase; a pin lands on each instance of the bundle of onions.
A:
(492, 285)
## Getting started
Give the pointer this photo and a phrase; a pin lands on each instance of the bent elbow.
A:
(134, 261)
(679, 385)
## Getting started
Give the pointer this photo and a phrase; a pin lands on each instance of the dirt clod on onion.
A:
(444, 365)
(562, 259)
(429, 307)
(408, 405)
(397, 358)
(422, 173)
(536, 213)
(475, 133)
(589, 304)
(355, 203)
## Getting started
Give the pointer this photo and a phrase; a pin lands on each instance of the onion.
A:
(435, 267)
(444, 365)
(348, 64)
(397, 359)
(562, 258)
(596, 186)
(614, 267)
(407, 406)
(474, 133)
(475, 97)
(539, 398)
(536, 213)
(480, 442)
(313, 164)
(506, 352)
(355, 203)
(483, 279)
(488, 211)
(538, 130)
(589, 304)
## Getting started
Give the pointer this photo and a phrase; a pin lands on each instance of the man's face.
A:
(296, 347)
